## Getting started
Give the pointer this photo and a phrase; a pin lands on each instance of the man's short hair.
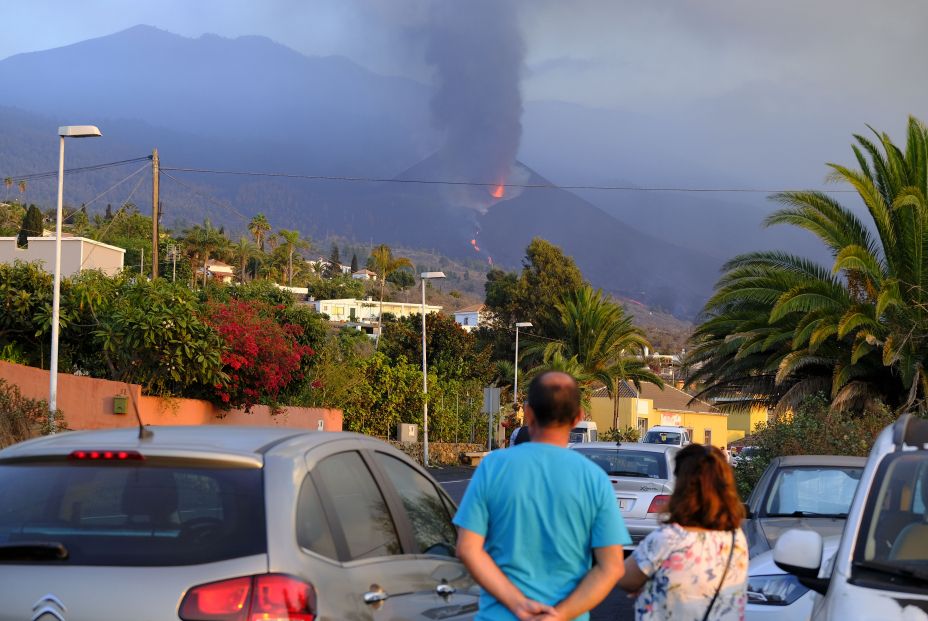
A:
(554, 398)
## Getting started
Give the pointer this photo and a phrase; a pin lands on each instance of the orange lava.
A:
(498, 191)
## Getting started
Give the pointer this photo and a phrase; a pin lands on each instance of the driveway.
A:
(615, 607)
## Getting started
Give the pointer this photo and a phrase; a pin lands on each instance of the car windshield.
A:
(663, 437)
(133, 515)
(629, 463)
(894, 531)
(812, 491)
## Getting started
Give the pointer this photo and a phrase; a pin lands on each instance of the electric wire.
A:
(116, 215)
(80, 169)
(484, 184)
(205, 196)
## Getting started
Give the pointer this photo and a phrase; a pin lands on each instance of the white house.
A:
(322, 263)
(217, 270)
(77, 254)
(367, 310)
(471, 317)
(364, 274)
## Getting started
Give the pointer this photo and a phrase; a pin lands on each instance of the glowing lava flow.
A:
(498, 191)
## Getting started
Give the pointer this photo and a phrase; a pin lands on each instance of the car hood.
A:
(763, 564)
(771, 528)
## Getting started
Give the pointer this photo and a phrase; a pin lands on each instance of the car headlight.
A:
(779, 590)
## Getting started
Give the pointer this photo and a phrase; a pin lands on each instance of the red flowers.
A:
(262, 355)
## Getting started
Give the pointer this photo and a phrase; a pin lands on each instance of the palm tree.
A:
(243, 251)
(8, 184)
(258, 227)
(384, 263)
(599, 344)
(780, 327)
(291, 243)
(202, 242)
(22, 190)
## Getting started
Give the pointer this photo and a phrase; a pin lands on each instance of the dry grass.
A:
(22, 418)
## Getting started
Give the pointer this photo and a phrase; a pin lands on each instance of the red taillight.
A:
(659, 504)
(106, 455)
(267, 597)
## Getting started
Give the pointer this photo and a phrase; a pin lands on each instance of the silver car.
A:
(801, 491)
(224, 524)
(642, 478)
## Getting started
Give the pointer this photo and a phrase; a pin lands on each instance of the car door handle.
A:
(445, 590)
(375, 596)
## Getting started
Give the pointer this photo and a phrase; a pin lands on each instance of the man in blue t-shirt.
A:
(535, 516)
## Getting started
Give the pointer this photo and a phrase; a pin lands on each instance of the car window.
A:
(312, 527)
(358, 505)
(135, 515)
(628, 463)
(431, 523)
(663, 437)
(811, 491)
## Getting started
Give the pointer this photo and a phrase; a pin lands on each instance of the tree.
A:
(291, 243)
(243, 251)
(385, 264)
(340, 287)
(334, 257)
(33, 226)
(354, 263)
(259, 227)
(780, 327)
(402, 279)
(598, 343)
(11, 219)
(203, 242)
(8, 184)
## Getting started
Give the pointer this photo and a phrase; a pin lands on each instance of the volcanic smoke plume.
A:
(477, 51)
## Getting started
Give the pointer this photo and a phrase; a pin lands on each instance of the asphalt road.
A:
(615, 607)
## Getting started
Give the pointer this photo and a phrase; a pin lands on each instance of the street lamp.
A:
(425, 377)
(515, 380)
(67, 131)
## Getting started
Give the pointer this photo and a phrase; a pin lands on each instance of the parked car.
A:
(801, 491)
(880, 570)
(585, 431)
(642, 478)
(775, 595)
(667, 434)
(222, 524)
(743, 454)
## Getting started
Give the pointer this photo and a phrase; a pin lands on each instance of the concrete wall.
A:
(87, 403)
(77, 253)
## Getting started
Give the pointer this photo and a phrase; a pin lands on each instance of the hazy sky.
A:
(800, 74)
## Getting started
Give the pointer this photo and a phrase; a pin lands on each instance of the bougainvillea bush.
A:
(262, 356)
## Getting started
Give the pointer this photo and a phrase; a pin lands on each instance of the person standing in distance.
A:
(534, 517)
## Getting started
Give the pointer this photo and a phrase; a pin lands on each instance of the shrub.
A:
(629, 434)
(22, 418)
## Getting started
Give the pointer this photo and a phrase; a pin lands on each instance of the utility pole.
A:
(155, 174)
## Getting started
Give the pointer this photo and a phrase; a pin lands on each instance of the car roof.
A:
(628, 446)
(822, 460)
(212, 439)
(667, 428)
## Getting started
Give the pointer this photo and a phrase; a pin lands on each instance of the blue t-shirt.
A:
(542, 510)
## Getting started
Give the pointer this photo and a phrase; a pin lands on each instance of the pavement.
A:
(455, 479)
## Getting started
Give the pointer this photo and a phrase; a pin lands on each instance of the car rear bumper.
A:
(639, 528)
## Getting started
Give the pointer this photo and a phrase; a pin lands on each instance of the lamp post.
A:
(515, 379)
(425, 376)
(67, 131)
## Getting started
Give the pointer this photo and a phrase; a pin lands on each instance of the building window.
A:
(642, 426)
(708, 437)
(467, 321)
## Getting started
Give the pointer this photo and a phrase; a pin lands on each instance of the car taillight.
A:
(659, 504)
(106, 455)
(266, 597)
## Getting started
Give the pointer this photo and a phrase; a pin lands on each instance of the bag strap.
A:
(722, 581)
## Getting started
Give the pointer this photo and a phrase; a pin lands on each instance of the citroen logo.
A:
(48, 605)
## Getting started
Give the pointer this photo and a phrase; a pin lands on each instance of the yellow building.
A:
(652, 406)
(744, 421)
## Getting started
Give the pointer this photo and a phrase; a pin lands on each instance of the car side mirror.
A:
(799, 552)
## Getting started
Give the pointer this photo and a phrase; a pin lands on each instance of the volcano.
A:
(612, 254)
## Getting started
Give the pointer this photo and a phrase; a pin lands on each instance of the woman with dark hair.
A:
(694, 567)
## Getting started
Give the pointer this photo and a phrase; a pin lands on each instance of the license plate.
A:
(625, 504)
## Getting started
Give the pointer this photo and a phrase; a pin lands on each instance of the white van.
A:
(585, 431)
(667, 434)
(880, 571)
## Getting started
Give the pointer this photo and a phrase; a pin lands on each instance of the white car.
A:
(880, 569)
(774, 595)
(668, 434)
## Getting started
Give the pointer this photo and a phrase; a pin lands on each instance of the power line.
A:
(80, 169)
(203, 194)
(482, 184)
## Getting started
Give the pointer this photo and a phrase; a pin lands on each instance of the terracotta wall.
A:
(87, 403)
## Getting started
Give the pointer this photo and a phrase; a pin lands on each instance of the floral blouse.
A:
(684, 568)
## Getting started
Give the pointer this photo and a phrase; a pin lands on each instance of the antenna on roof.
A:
(144, 433)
